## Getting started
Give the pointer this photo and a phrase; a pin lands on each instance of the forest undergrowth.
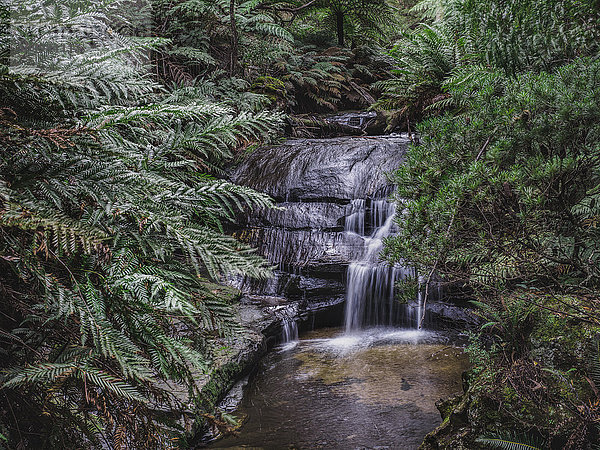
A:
(118, 117)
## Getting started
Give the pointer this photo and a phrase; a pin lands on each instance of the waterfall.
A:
(370, 282)
(355, 222)
(325, 238)
(289, 330)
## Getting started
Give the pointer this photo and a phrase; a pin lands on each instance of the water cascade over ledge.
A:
(289, 331)
(370, 296)
(335, 212)
(378, 377)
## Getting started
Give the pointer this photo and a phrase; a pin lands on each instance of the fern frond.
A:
(508, 443)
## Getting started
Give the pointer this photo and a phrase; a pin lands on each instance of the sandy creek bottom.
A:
(376, 388)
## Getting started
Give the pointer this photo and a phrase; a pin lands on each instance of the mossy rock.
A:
(531, 394)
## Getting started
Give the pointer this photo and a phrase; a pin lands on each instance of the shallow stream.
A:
(373, 388)
(363, 385)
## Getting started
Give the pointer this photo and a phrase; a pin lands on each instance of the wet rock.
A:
(303, 247)
(356, 120)
(317, 126)
(322, 312)
(448, 314)
(320, 287)
(291, 286)
(332, 195)
(234, 396)
(337, 169)
(298, 216)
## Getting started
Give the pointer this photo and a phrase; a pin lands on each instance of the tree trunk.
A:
(339, 16)
(233, 62)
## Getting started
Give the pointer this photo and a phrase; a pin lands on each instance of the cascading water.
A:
(370, 282)
(324, 242)
(355, 222)
(289, 330)
(326, 238)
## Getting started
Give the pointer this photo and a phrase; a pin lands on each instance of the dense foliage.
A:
(328, 80)
(507, 191)
(512, 36)
(285, 50)
(117, 116)
(110, 229)
(355, 18)
(500, 199)
(207, 35)
(115, 121)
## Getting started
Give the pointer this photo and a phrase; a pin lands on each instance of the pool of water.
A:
(375, 388)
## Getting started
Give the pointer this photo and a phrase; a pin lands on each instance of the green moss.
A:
(221, 380)
(549, 377)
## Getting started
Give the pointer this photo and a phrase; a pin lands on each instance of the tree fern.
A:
(197, 27)
(425, 59)
(110, 227)
(508, 36)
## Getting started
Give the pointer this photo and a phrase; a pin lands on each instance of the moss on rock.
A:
(539, 386)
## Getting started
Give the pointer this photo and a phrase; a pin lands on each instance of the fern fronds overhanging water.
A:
(109, 230)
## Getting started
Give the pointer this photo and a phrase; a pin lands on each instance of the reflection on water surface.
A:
(375, 388)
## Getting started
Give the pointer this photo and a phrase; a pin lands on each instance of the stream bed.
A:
(374, 382)
(371, 388)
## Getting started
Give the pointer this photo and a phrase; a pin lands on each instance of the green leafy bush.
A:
(506, 192)
(501, 198)
(509, 36)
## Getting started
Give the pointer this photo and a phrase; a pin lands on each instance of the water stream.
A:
(374, 388)
(289, 333)
(370, 282)
(374, 381)
(335, 211)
